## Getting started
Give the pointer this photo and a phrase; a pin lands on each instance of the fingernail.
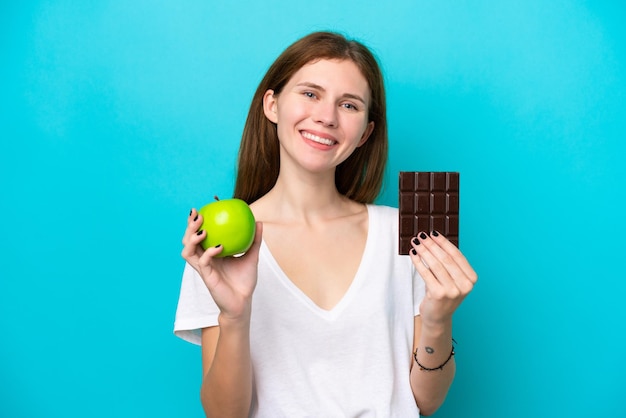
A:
(199, 232)
(413, 251)
(416, 241)
(190, 212)
(423, 235)
(435, 234)
(196, 218)
(218, 245)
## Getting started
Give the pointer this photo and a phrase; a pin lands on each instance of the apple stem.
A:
(216, 198)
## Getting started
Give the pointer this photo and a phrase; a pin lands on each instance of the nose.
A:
(326, 114)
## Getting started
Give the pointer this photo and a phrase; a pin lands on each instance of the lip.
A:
(318, 139)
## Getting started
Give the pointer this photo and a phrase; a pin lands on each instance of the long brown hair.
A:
(360, 176)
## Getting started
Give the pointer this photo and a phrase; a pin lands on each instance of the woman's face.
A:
(321, 114)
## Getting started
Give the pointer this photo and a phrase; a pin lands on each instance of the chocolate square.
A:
(428, 200)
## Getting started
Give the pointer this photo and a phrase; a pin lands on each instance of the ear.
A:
(368, 131)
(270, 106)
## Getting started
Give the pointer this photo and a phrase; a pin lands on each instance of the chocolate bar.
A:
(429, 201)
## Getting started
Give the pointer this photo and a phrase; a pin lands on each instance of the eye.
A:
(349, 106)
(310, 94)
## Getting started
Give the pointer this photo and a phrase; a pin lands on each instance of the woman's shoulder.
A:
(383, 216)
(388, 212)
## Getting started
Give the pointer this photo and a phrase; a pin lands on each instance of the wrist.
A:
(436, 329)
(238, 322)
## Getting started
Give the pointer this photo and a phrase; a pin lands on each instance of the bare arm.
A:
(433, 346)
(449, 278)
(227, 372)
(226, 390)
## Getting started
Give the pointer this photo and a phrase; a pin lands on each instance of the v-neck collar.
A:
(335, 311)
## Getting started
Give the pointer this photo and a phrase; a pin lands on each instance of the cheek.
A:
(358, 128)
(291, 114)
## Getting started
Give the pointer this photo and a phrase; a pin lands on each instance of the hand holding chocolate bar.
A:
(429, 213)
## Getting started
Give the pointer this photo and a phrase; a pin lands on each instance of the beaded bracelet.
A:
(440, 367)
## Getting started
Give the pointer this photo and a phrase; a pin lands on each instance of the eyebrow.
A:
(318, 87)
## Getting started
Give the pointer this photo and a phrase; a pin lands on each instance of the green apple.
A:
(228, 222)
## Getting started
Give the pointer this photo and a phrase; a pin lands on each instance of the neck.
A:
(307, 198)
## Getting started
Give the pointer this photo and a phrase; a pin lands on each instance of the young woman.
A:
(321, 317)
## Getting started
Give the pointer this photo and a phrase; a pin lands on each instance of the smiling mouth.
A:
(318, 139)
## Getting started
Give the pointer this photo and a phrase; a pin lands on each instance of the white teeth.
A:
(317, 139)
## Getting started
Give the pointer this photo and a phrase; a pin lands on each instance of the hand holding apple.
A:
(230, 280)
(228, 222)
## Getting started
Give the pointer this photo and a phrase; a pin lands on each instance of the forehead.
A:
(342, 76)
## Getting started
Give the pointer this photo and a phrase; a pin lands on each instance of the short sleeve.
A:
(196, 308)
(419, 290)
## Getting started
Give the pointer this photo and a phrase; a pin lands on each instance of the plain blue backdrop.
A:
(118, 116)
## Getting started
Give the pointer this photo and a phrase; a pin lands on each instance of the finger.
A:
(419, 263)
(206, 266)
(456, 254)
(422, 267)
(443, 266)
(193, 216)
(209, 254)
(194, 221)
(440, 269)
(193, 236)
(191, 245)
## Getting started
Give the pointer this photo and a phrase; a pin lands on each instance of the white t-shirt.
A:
(347, 362)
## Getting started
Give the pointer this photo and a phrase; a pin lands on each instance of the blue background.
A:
(117, 117)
